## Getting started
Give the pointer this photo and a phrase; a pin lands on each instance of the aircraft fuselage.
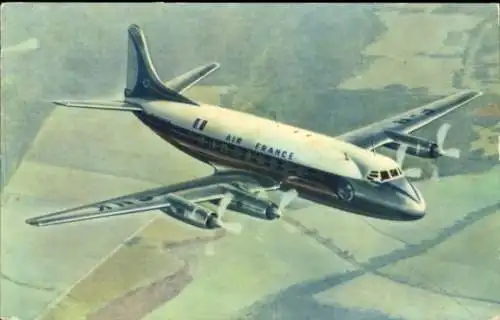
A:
(317, 166)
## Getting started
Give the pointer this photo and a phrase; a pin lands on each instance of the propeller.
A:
(440, 137)
(450, 153)
(233, 227)
(286, 197)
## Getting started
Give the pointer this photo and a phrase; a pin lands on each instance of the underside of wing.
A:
(190, 78)
(184, 195)
(101, 105)
(133, 203)
(383, 132)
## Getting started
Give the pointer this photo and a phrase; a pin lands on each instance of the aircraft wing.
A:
(373, 136)
(192, 192)
(190, 78)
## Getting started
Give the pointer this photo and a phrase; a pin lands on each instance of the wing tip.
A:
(33, 222)
(472, 93)
(210, 67)
(59, 103)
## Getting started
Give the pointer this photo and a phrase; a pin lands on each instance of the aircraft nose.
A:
(416, 208)
(411, 200)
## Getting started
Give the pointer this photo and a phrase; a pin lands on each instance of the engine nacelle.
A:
(245, 201)
(416, 146)
(187, 210)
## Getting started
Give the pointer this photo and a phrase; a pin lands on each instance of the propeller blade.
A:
(414, 173)
(287, 198)
(440, 137)
(452, 153)
(224, 203)
(262, 194)
(400, 156)
(442, 132)
(435, 173)
(233, 227)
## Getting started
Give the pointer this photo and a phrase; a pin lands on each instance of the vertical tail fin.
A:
(142, 80)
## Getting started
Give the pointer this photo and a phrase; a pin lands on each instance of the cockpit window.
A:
(373, 176)
(385, 175)
(394, 173)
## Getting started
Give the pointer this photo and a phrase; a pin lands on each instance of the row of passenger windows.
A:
(252, 156)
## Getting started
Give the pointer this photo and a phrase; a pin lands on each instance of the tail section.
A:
(142, 80)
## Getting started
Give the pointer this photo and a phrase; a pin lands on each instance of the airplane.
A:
(252, 156)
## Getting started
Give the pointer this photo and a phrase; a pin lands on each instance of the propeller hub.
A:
(273, 212)
(435, 151)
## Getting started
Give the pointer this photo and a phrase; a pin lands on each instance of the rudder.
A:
(142, 80)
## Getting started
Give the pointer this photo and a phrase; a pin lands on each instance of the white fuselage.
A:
(273, 138)
(317, 165)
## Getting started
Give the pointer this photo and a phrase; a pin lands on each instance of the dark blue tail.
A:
(142, 80)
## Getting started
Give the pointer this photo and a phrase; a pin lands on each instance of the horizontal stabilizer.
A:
(192, 77)
(102, 105)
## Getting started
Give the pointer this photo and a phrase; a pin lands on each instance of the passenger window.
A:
(394, 173)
